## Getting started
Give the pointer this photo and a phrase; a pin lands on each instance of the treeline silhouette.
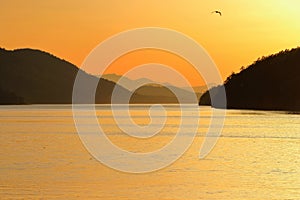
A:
(270, 83)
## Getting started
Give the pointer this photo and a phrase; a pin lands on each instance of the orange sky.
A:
(70, 29)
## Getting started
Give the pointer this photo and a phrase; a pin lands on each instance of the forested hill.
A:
(270, 83)
(36, 77)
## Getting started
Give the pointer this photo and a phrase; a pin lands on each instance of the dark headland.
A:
(30, 76)
(270, 83)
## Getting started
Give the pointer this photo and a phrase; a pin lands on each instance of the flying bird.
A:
(218, 12)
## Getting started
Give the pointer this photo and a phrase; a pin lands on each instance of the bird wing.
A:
(218, 12)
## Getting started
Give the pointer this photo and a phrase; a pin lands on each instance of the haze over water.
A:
(41, 156)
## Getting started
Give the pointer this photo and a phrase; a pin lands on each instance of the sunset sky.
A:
(70, 29)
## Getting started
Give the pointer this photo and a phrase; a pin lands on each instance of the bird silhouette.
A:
(218, 12)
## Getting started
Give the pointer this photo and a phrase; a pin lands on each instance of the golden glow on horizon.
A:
(70, 29)
(136, 58)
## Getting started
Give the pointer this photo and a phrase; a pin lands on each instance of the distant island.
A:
(270, 83)
(155, 90)
(29, 76)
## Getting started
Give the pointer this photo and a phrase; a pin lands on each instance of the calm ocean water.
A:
(42, 157)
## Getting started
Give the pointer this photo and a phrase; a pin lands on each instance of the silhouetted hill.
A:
(270, 83)
(127, 83)
(38, 77)
(157, 92)
(153, 91)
